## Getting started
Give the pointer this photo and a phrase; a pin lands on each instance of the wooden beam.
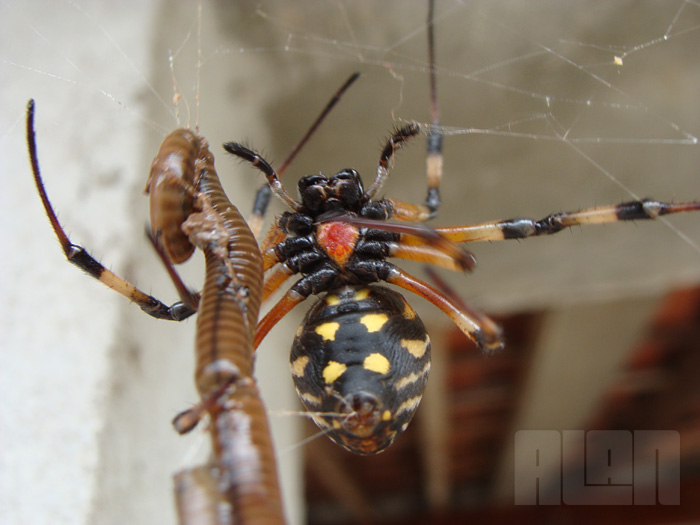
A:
(434, 427)
(577, 358)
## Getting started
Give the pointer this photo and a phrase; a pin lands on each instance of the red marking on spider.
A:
(338, 240)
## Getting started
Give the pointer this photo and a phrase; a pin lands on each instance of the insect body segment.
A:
(243, 463)
(79, 256)
(170, 186)
(360, 363)
(232, 291)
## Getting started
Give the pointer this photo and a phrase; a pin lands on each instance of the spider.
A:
(361, 351)
(362, 354)
(361, 357)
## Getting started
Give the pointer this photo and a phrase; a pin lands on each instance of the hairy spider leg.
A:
(447, 253)
(521, 228)
(396, 140)
(239, 150)
(78, 256)
(476, 326)
(262, 197)
(434, 148)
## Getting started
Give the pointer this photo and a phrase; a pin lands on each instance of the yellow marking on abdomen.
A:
(333, 371)
(299, 365)
(374, 322)
(386, 416)
(332, 300)
(412, 378)
(376, 363)
(408, 405)
(310, 399)
(416, 347)
(327, 330)
(408, 312)
(362, 294)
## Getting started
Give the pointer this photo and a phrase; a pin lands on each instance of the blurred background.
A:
(546, 107)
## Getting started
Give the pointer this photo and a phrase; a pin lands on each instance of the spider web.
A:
(545, 107)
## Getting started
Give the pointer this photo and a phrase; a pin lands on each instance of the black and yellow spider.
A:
(361, 354)
(361, 357)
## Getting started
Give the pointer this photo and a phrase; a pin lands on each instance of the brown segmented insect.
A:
(239, 484)
(244, 461)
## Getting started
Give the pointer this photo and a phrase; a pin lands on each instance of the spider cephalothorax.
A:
(341, 192)
(322, 241)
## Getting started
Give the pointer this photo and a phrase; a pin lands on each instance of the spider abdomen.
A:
(360, 362)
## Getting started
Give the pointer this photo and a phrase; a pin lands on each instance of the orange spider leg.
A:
(282, 308)
(476, 326)
(424, 253)
(275, 279)
(405, 211)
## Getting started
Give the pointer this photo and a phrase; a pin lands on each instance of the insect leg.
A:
(78, 256)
